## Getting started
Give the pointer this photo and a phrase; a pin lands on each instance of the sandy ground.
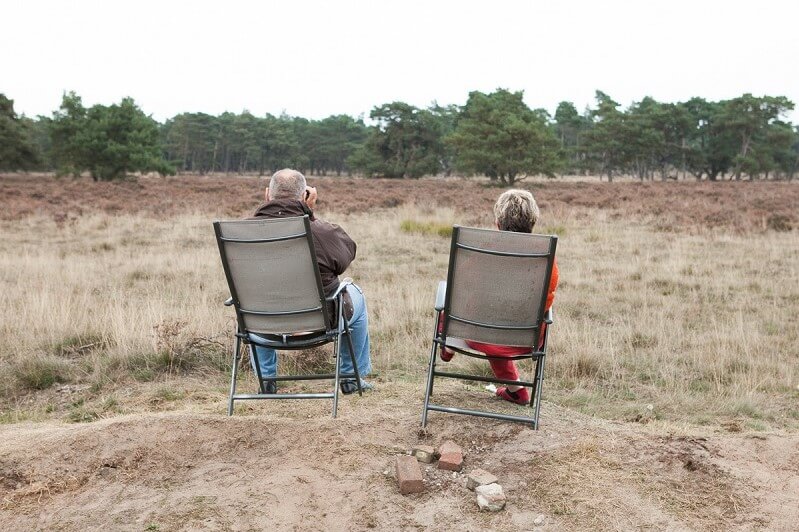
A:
(289, 466)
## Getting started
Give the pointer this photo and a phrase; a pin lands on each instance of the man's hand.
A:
(310, 197)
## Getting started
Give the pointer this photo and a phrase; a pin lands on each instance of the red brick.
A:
(450, 461)
(449, 446)
(409, 475)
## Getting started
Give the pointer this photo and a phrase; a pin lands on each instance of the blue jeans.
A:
(359, 329)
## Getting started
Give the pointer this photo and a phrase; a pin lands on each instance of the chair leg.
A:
(539, 381)
(234, 373)
(534, 388)
(429, 389)
(352, 357)
(257, 366)
(337, 378)
(436, 347)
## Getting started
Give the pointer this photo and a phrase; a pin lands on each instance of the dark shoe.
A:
(269, 387)
(520, 397)
(349, 386)
(446, 354)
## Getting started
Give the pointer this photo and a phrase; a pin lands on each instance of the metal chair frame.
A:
(333, 332)
(442, 307)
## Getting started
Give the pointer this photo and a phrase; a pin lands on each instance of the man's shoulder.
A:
(325, 230)
(318, 224)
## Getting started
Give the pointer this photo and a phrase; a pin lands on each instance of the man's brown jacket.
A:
(335, 250)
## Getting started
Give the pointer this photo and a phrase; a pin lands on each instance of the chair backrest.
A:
(273, 276)
(497, 286)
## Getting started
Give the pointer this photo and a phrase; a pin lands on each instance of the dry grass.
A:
(702, 324)
(660, 321)
(683, 324)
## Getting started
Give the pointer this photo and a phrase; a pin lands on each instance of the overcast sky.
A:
(317, 58)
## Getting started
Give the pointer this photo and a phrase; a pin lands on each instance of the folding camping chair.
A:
(276, 291)
(495, 293)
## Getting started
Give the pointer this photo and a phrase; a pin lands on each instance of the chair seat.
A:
(460, 346)
(296, 339)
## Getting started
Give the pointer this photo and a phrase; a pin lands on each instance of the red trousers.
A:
(503, 369)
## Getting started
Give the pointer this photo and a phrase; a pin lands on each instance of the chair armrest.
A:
(228, 301)
(441, 294)
(342, 285)
(549, 316)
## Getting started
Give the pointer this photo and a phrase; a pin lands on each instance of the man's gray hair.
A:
(516, 210)
(287, 184)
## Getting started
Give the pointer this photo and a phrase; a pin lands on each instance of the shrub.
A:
(779, 223)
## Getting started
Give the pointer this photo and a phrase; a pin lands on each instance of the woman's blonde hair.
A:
(516, 210)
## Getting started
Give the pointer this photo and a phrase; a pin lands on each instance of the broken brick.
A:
(451, 461)
(424, 453)
(479, 477)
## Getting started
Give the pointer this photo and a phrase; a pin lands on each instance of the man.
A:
(288, 195)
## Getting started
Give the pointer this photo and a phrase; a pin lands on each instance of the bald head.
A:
(287, 184)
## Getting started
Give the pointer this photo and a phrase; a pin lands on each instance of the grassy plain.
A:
(670, 394)
(659, 317)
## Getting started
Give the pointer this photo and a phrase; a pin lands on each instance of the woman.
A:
(515, 210)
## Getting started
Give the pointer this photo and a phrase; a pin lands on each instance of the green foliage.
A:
(571, 128)
(17, 151)
(754, 123)
(332, 141)
(201, 143)
(108, 141)
(707, 139)
(709, 147)
(499, 136)
(605, 141)
(494, 134)
(406, 142)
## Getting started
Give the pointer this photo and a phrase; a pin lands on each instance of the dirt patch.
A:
(300, 469)
(740, 206)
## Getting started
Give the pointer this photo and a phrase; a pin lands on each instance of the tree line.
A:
(494, 134)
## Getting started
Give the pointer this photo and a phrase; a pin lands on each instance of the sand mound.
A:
(306, 471)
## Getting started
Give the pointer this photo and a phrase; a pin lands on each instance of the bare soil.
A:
(740, 206)
(285, 466)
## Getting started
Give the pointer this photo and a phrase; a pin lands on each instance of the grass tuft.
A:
(426, 228)
(82, 343)
(561, 231)
(40, 372)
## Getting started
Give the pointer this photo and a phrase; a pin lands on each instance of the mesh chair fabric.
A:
(273, 276)
(498, 290)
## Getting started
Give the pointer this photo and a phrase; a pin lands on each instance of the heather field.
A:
(670, 399)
